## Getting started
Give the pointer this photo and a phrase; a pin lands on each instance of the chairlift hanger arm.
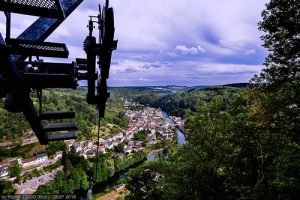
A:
(18, 80)
(17, 84)
(103, 49)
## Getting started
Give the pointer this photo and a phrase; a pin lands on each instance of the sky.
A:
(170, 42)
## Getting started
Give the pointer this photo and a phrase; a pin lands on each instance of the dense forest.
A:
(179, 102)
(242, 144)
(182, 103)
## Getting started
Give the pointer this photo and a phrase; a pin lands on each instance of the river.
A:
(100, 187)
(180, 136)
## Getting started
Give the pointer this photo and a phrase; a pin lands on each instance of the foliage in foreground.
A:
(248, 147)
(77, 172)
(6, 188)
(227, 156)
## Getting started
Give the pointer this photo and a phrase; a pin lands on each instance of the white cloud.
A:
(74, 28)
(250, 52)
(185, 50)
(154, 24)
(60, 33)
(18, 24)
(149, 30)
(201, 49)
(172, 54)
(218, 50)
(2, 28)
(136, 66)
(144, 79)
(76, 52)
(138, 57)
(179, 21)
(219, 68)
(15, 31)
(181, 72)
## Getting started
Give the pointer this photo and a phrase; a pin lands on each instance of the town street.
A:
(30, 186)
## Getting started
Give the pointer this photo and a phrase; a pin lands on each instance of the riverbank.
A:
(115, 195)
(180, 135)
(151, 154)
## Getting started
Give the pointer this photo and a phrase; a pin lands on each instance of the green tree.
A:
(110, 167)
(18, 179)
(60, 185)
(68, 168)
(35, 173)
(53, 147)
(120, 148)
(84, 183)
(6, 187)
(45, 189)
(277, 104)
(142, 184)
(280, 22)
(286, 179)
(142, 135)
(14, 170)
(198, 166)
(76, 177)
(276, 107)
(119, 164)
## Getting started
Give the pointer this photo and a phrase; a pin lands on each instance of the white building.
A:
(120, 187)
(29, 162)
(77, 146)
(12, 161)
(4, 170)
(152, 138)
(119, 136)
(109, 144)
(89, 154)
(89, 144)
(127, 149)
(41, 158)
(58, 155)
(69, 144)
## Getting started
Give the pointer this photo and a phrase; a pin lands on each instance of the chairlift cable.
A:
(98, 144)
(39, 93)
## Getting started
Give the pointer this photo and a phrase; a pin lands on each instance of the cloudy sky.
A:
(163, 42)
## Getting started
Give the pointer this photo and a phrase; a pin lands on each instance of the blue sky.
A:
(163, 42)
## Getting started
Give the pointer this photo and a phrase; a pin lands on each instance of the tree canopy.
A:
(245, 146)
(14, 170)
(7, 187)
(280, 22)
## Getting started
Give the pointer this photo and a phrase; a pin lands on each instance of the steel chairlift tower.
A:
(20, 74)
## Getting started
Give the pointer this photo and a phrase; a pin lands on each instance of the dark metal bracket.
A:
(17, 79)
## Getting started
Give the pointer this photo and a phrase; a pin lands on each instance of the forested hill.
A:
(175, 100)
(14, 125)
(181, 102)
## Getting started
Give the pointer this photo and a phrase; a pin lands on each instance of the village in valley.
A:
(147, 119)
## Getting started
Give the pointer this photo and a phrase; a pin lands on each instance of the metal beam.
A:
(21, 94)
(40, 30)
(47, 8)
